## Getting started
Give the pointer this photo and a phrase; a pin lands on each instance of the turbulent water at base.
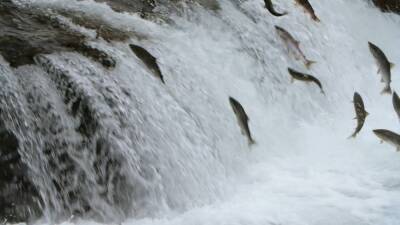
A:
(117, 145)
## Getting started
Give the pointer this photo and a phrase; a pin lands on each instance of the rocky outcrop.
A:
(25, 33)
(19, 198)
(388, 5)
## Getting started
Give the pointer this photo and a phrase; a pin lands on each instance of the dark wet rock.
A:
(103, 30)
(17, 51)
(19, 199)
(149, 60)
(25, 33)
(388, 5)
(209, 4)
(147, 9)
(94, 53)
(143, 6)
(104, 165)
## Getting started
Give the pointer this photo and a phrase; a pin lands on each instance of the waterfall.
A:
(89, 134)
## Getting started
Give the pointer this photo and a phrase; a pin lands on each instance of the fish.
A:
(295, 75)
(388, 136)
(270, 7)
(384, 67)
(396, 104)
(149, 60)
(308, 8)
(242, 118)
(293, 46)
(361, 114)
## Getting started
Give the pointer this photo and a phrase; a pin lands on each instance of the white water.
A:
(303, 170)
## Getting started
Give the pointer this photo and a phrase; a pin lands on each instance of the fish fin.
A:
(382, 80)
(252, 142)
(355, 118)
(316, 19)
(353, 135)
(309, 63)
(398, 149)
(366, 113)
(323, 92)
(381, 141)
(392, 65)
(386, 90)
(379, 70)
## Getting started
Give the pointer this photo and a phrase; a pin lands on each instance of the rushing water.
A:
(117, 145)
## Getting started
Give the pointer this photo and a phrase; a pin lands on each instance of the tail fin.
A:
(353, 135)
(387, 90)
(316, 19)
(252, 142)
(278, 14)
(309, 63)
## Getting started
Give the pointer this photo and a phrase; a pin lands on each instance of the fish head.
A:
(395, 96)
(373, 48)
(290, 70)
(370, 45)
(233, 103)
(382, 134)
(356, 95)
(231, 100)
(278, 28)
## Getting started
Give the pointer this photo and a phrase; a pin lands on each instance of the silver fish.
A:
(270, 7)
(361, 114)
(295, 75)
(383, 67)
(293, 46)
(308, 8)
(242, 119)
(149, 60)
(389, 137)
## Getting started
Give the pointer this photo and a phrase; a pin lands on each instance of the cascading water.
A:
(87, 130)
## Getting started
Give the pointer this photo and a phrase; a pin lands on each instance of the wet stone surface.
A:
(25, 33)
(388, 5)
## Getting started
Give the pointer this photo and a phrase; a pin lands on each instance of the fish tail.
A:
(353, 135)
(315, 18)
(309, 63)
(277, 13)
(387, 90)
(282, 14)
(252, 142)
